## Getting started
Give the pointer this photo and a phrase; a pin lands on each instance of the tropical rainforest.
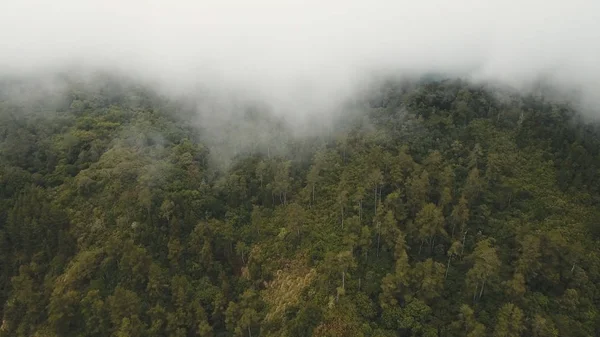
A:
(434, 207)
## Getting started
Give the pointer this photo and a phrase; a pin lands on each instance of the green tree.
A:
(486, 265)
(467, 324)
(541, 326)
(509, 322)
(460, 215)
(427, 279)
(417, 190)
(429, 222)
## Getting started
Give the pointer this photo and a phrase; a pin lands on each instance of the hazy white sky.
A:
(282, 46)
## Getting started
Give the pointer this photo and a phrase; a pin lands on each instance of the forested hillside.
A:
(438, 209)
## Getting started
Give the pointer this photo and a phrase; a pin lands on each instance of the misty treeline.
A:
(439, 209)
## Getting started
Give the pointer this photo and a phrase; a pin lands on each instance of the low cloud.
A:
(304, 56)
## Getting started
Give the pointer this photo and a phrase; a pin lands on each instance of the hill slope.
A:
(441, 209)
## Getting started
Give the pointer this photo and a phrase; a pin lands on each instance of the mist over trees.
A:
(430, 208)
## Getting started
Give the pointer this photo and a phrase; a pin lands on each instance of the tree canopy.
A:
(430, 209)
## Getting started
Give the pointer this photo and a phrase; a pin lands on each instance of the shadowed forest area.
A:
(435, 208)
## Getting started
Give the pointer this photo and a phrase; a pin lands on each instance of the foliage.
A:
(440, 209)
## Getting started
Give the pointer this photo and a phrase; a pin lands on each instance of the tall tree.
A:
(509, 322)
(486, 265)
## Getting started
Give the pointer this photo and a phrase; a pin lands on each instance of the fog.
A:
(305, 56)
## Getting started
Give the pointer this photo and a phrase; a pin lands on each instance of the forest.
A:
(432, 207)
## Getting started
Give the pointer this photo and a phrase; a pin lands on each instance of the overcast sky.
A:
(282, 47)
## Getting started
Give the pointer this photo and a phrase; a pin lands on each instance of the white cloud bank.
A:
(310, 50)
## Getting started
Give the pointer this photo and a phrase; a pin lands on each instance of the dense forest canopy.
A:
(431, 208)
